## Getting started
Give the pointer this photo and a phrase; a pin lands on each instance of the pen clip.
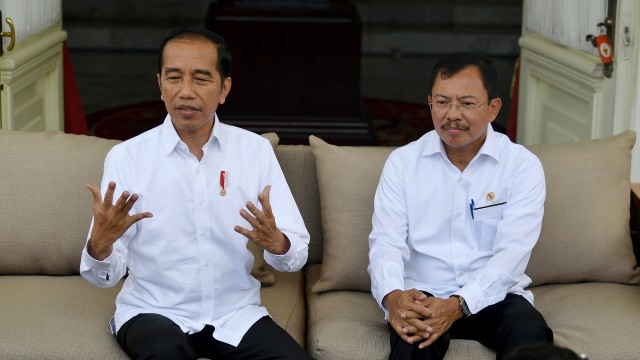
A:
(472, 204)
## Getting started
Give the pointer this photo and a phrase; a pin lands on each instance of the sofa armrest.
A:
(635, 220)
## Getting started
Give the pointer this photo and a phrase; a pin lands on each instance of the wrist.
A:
(285, 245)
(98, 253)
(463, 308)
(385, 299)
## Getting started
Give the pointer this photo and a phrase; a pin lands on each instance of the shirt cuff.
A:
(96, 264)
(290, 258)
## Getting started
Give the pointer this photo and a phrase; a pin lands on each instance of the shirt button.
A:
(206, 264)
(457, 245)
(458, 214)
(460, 180)
(460, 274)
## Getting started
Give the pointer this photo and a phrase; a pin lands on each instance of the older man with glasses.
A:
(457, 214)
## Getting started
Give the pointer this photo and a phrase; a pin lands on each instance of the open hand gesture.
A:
(110, 221)
(265, 233)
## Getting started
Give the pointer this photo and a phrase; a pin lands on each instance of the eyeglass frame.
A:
(458, 105)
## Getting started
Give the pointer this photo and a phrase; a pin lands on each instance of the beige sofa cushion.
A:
(56, 317)
(347, 180)
(299, 167)
(585, 231)
(286, 304)
(356, 330)
(596, 319)
(46, 209)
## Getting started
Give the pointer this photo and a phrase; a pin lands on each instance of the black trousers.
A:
(153, 336)
(502, 327)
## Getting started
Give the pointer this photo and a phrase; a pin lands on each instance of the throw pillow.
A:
(261, 270)
(347, 180)
(585, 230)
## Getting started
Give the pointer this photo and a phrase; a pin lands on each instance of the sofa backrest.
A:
(299, 167)
(45, 209)
(585, 230)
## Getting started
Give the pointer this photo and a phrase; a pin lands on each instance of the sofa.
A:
(584, 272)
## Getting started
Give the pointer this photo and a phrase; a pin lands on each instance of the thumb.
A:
(95, 191)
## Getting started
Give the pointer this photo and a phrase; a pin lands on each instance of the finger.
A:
(255, 211)
(137, 217)
(409, 330)
(398, 325)
(243, 231)
(413, 339)
(410, 314)
(250, 219)
(265, 201)
(95, 192)
(128, 205)
(416, 311)
(421, 311)
(417, 295)
(419, 325)
(398, 330)
(122, 200)
(430, 340)
(108, 195)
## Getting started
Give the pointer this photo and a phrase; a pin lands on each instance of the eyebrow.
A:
(458, 98)
(196, 71)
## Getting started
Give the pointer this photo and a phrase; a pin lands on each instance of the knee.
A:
(534, 333)
(168, 348)
(152, 336)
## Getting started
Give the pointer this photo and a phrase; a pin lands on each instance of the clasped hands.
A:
(111, 221)
(418, 317)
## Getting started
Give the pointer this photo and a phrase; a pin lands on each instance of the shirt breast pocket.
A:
(485, 225)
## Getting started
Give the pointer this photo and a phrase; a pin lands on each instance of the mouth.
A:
(454, 125)
(186, 109)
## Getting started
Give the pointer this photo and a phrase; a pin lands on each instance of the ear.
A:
(159, 85)
(494, 108)
(226, 88)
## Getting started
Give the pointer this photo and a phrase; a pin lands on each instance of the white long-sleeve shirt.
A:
(187, 262)
(425, 237)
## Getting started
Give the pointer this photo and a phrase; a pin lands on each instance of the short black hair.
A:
(454, 63)
(224, 54)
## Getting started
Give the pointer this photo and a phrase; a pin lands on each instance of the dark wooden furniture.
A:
(296, 70)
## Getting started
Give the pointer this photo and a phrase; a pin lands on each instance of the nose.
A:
(454, 112)
(186, 89)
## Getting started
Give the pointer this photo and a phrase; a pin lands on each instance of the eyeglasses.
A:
(443, 106)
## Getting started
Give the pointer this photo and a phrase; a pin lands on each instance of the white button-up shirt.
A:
(449, 232)
(186, 262)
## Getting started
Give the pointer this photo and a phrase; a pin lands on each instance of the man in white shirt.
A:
(180, 225)
(456, 216)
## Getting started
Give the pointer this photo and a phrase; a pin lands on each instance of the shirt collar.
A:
(171, 139)
(490, 147)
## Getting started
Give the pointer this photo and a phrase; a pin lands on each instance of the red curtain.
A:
(74, 120)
